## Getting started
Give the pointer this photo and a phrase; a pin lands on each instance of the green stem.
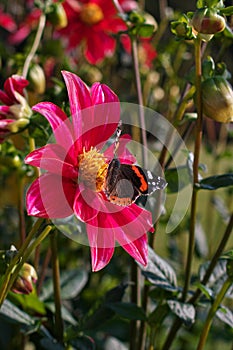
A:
(135, 298)
(56, 287)
(198, 138)
(178, 323)
(35, 45)
(22, 231)
(212, 312)
(19, 259)
(215, 258)
(197, 149)
(140, 99)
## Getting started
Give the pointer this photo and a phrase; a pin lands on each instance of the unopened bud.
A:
(217, 98)
(17, 125)
(207, 21)
(182, 29)
(24, 281)
(36, 78)
(57, 16)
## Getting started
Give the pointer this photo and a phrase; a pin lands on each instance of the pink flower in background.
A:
(14, 110)
(29, 23)
(76, 170)
(93, 22)
(7, 22)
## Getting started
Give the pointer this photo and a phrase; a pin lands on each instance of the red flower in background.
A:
(94, 22)
(29, 23)
(76, 172)
(7, 22)
(14, 109)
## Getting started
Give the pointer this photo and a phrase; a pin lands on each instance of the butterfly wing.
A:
(125, 182)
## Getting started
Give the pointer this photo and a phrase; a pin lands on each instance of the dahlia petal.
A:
(101, 245)
(123, 153)
(78, 92)
(50, 196)
(101, 120)
(18, 36)
(7, 22)
(4, 98)
(138, 249)
(133, 217)
(99, 45)
(52, 157)
(101, 93)
(14, 84)
(4, 123)
(5, 110)
(86, 204)
(59, 122)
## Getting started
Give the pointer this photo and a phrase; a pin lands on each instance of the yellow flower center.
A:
(92, 169)
(91, 14)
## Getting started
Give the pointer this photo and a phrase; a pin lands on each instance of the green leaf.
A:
(227, 11)
(186, 312)
(136, 18)
(217, 278)
(225, 315)
(177, 178)
(146, 30)
(159, 272)
(66, 315)
(200, 3)
(13, 314)
(157, 316)
(72, 283)
(128, 310)
(51, 344)
(29, 302)
(221, 208)
(205, 290)
(103, 313)
(83, 343)
(215, 182)
(201, 245)
(181, 176)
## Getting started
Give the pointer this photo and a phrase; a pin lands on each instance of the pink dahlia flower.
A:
(14, 109)
(94, 22)
(76, 168)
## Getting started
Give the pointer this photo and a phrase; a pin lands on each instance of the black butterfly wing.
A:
(126, 182)
(120, 187)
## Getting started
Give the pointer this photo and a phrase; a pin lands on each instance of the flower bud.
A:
(24, 281)
(207, 21)
(57, 16)
(17, 125)
(36, 78)
(181, 29)
(217, 98)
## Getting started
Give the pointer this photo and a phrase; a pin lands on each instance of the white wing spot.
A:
(150, 175)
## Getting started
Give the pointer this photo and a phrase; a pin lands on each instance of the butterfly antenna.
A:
(118, 134)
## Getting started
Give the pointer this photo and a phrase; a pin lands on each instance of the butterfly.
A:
(124, 183)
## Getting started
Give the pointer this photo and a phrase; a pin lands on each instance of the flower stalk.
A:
(21, 257)
(36, 43)
(197, 149)
(58, 327)
(198, 139)
(206, 328)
